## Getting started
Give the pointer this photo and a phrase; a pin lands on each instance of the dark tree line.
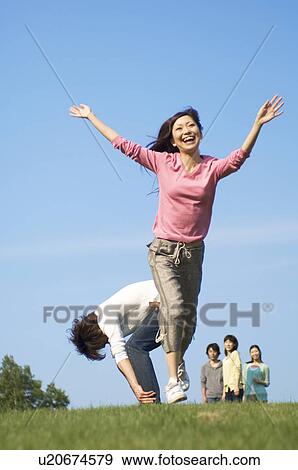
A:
(20, 391)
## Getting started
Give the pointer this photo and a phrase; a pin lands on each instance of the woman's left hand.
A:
(257, 381)
(269, 110)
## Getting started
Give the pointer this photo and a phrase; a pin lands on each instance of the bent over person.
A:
(133, 309)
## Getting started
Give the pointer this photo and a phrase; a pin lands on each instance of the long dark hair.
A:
(163, 141)
(258, 348)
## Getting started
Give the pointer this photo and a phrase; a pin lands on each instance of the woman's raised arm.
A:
(84, 111)
(136, 152)
(267, 112)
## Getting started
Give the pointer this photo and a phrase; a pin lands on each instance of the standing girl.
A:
(187, 183)
(256, 376)
(233, 389)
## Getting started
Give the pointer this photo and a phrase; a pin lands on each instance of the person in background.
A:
(233, 389)
(256, 376)
(212, 376)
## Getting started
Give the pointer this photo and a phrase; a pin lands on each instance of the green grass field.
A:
(219, 426)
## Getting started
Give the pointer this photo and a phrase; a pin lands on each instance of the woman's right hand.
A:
(81, 111)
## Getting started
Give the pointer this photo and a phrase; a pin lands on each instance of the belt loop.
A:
(158, 243)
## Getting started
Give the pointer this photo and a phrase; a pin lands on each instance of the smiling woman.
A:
(181, 132)
(256, 376)
(187, 183)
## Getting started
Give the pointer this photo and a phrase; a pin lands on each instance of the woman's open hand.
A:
(269, 110)
(81, 111)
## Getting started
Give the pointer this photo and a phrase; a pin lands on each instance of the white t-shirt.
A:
(123, 312)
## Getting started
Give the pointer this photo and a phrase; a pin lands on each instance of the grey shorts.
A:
(177, 272)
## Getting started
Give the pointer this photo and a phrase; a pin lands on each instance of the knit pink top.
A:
(185, 199)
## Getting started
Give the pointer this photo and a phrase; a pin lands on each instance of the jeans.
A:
(177, 272)
(213, 399)
(230, 395)
(138, 348)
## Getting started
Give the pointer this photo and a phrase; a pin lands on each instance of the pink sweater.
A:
(185, 199)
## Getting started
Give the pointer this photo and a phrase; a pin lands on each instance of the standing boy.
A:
(211, 375)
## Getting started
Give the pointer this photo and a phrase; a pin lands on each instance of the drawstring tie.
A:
(160, 336)
(180, 246)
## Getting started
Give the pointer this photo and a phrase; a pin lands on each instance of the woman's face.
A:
(229, 345)
(255, 354)
(186, 135)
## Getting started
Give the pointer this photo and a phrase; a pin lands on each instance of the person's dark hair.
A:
(234, 340)
(163, 141)
(258, 348)
(213, 346)
(87, 337)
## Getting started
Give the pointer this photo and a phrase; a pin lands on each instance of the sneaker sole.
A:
(179, 398)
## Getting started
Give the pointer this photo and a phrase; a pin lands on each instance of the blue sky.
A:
(73, 233)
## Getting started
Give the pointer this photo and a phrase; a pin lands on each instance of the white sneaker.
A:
(174, 393)
(183, 377)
